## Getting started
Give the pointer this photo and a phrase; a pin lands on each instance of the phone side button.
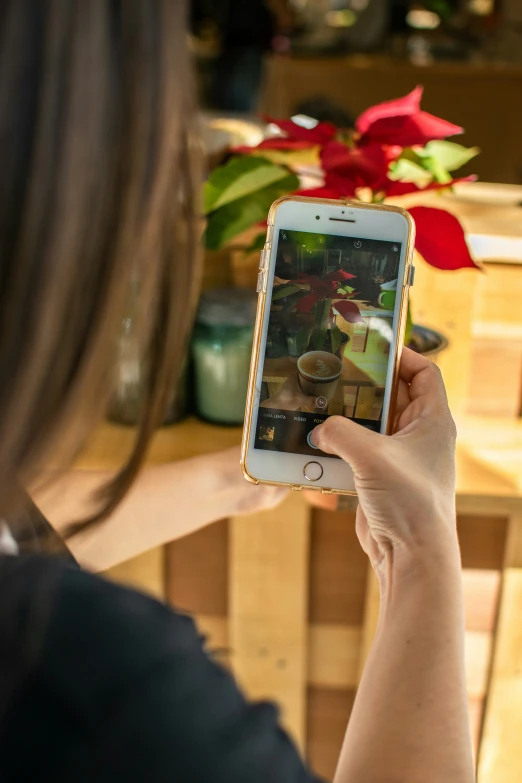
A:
(411, 275)
(260, 282)
(263, 258)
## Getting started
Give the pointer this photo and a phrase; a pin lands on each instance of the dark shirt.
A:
(99, 683)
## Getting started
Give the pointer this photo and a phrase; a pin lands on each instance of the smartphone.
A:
(333, 290)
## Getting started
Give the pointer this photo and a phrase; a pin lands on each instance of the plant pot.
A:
(427, 342)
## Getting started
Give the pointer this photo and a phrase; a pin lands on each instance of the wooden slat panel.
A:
(481, 590)
(482, 541)
(498, 296)
(496, 377)
(197, 571)
(337, 569)
(333, 656)
(500, 758)
(328, 714)
(269, 606)
(447, 306)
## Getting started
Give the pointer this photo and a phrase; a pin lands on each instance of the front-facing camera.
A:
(317, 217)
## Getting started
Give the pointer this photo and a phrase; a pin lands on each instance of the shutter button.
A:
(313, 471)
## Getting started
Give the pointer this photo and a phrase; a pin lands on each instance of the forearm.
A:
(410, 721)
(167, 502)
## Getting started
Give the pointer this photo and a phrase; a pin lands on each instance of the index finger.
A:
(423, 377)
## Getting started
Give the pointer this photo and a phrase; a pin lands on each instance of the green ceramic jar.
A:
(221, 351)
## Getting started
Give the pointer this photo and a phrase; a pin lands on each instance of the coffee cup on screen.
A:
(319, 373)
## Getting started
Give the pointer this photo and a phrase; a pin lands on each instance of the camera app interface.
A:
(329, 336)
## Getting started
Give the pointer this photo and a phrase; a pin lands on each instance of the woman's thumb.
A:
(343, 437)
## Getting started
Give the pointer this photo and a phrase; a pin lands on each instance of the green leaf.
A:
(336, 336)
(257, 243)
(240, 177)
(449, 155)
(232, 219)
(404, 170)
(318, 339)
(440, 174)
(284, 290)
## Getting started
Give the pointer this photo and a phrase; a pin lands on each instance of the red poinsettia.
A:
(327, 289)
(391, 152)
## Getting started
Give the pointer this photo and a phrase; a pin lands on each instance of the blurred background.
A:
(286, 597)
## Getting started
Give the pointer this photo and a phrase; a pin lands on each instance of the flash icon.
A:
(284, 235)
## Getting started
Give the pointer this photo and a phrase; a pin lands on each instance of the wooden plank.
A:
(500, 758)
(482, 541)
(496, 377)
(478, 646)
(197, 571)
(447, 306)
(337, 569)
(333, 655)
(328, 715)
(268, 600)
(145, 572)
(498, 297)
(481, 589)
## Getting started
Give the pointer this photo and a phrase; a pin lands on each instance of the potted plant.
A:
(394, 149)
(324, 297)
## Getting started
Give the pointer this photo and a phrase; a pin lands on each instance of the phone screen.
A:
(329, 333)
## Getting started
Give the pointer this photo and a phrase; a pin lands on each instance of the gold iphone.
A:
(333, 291)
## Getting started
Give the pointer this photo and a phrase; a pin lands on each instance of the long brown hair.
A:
(99, 170)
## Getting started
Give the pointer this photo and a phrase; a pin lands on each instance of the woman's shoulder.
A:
(52, 610)
(126, 685)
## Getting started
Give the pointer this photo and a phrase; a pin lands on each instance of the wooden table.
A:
(288, 592)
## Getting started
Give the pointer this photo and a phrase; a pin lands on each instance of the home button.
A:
(313, 471)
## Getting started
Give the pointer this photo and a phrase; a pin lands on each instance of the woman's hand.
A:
(405, 483)
(229, 489)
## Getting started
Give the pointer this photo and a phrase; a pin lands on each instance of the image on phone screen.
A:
(329, 334)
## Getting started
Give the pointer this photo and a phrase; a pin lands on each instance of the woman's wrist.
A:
(435, 561)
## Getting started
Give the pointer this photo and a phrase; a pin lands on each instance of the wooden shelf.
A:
(111, 443)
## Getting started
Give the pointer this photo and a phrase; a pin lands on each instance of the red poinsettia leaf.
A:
(440, 239)
(335, 155)
(350, 169)
(320, 134)
(409, 104)
(305, 304)
(349, 311)
(404, 188)
(410, 131)
(344, 186)
(403, 123)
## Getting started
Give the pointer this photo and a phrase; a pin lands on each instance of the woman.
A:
(97, 683)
